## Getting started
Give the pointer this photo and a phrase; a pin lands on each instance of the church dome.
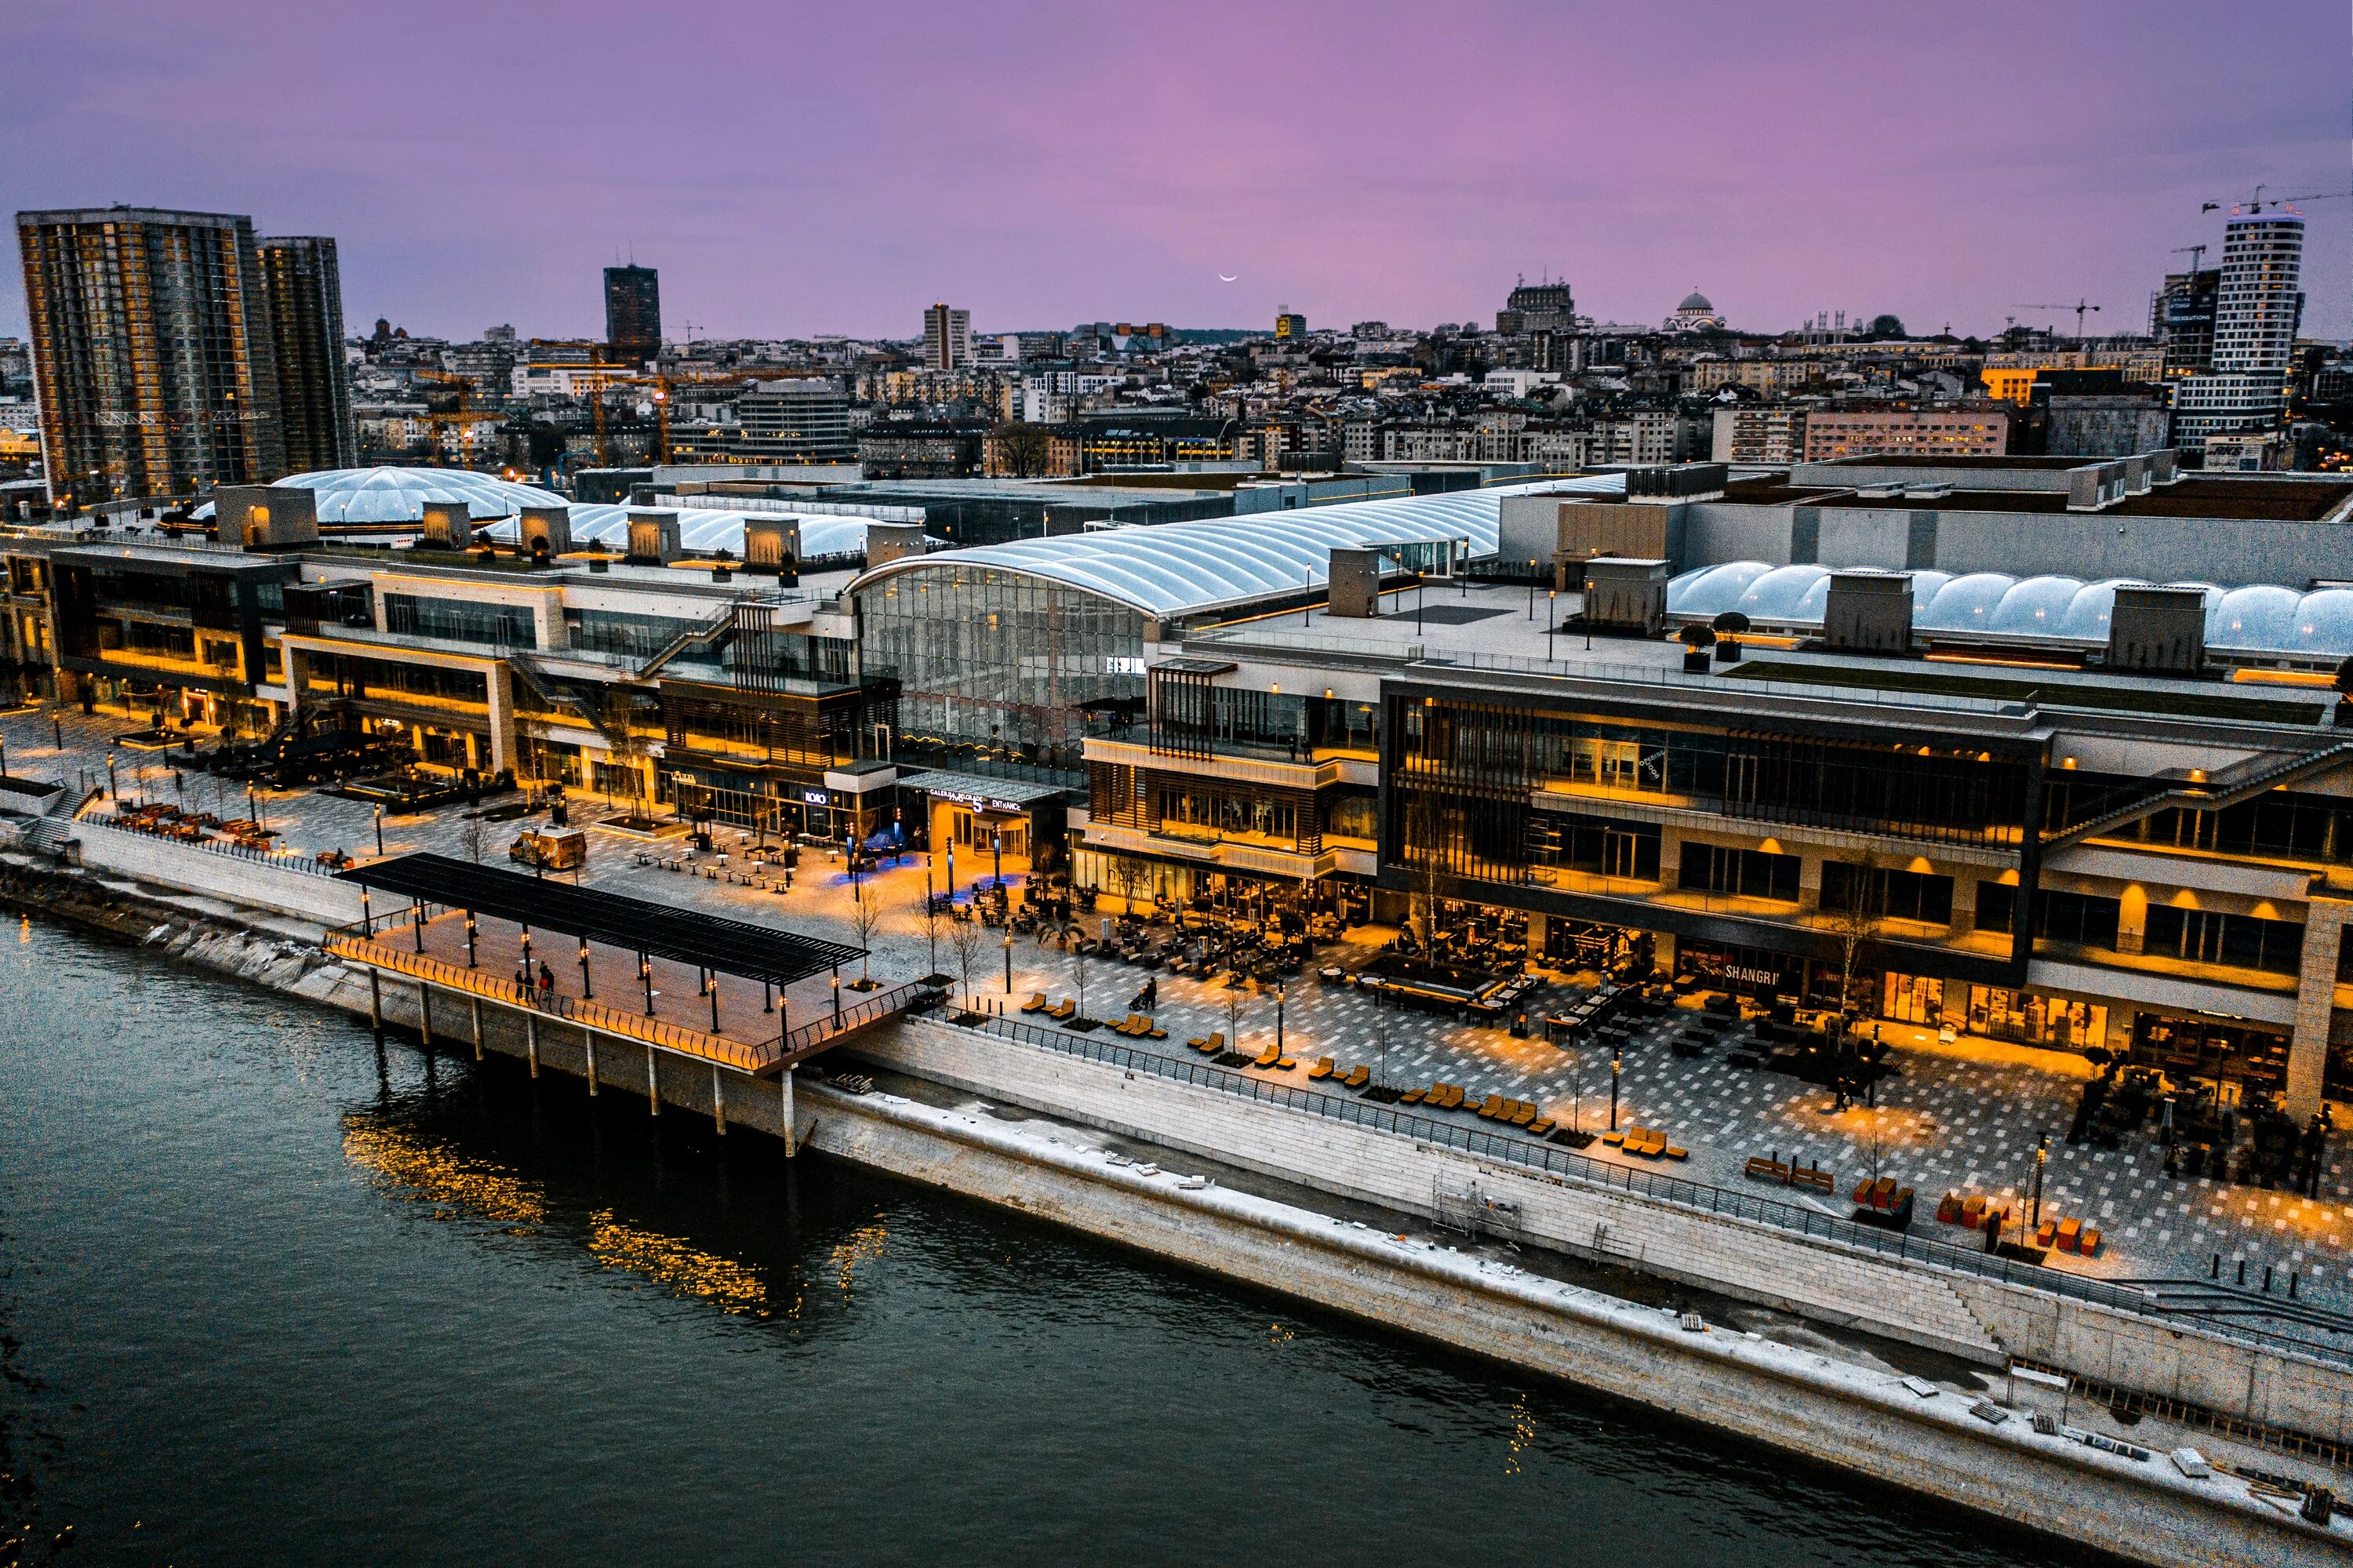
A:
(1695, 301)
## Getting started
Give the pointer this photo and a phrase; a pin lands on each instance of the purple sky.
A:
(802, 168)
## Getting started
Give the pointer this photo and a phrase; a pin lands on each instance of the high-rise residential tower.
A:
(632, 313)
(152, 353)
(305, 290)
(2258, 304)
(947, 338)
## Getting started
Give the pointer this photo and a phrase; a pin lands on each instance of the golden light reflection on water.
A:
(676, 1265)
(1524, 1433)
(865, 1246)
(407, 1166)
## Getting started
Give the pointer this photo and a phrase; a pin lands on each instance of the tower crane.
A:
(2080, 307)
(2257, 201)
(2196, 253)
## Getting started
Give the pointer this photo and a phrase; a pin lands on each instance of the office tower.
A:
(632, 314)
(1289, 323)
(2181, 320)
(305, 290)
(2258, 304)
(947, 338)
(152, 353)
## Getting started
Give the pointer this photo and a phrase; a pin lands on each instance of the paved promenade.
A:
(1963, 1116)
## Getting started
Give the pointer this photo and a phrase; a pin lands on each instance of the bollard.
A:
(2267, 1279)
(2243, 1271)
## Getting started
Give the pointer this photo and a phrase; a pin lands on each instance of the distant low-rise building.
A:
(1979, 429)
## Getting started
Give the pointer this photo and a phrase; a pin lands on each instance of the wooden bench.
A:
(1763, 1170)
(1816, 1179)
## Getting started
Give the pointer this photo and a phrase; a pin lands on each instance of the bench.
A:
(1763, 1170)
(1816, 1179)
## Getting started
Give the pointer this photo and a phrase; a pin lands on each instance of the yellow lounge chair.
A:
(1411, 1098)
(1525, 1114)
(1212, 1046)
(1037, 1003)
(1492, 1106)
(1268, 1057)
(1358, 1076)
(1541, 1126)
(1063, 1011)
(1322, 1069)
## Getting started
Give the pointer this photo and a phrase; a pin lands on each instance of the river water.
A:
(267, 1295)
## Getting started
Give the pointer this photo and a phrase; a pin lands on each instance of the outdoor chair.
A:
(1063, 1011)
(1541, 1126)
(1037, 1003)
(1268, 1057)
(1523, 1115)
(1492, 1106)
(1412, 1096)
(1215, 1044)
(1358, 1076)
(1322, 1069)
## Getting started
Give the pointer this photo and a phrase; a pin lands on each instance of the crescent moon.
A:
(1223, 278)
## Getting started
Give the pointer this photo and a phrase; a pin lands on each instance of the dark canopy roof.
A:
(707, 941)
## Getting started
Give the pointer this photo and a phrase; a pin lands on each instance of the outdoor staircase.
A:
(49, 833)
(2242, 781)
(550, 689)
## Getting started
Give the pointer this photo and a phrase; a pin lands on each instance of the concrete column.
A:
(478, 1029)
(531, 1041)
(375, 1005)
(2315, 1000)
(717, 1102)
(498, 682)
(653, 1085)
(786, 1077)
(424, 1015)
(588, 1042)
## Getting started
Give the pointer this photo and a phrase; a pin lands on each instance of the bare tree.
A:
(966, 940)
(1025, 450)
(1852, 923)
(471, 839)
(865, 919)
(1078, 976)
(929, 914)
(1128, 873)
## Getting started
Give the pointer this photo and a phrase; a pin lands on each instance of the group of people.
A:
(531, 989)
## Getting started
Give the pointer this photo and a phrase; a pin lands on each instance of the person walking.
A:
(523, 983)
(546, 981)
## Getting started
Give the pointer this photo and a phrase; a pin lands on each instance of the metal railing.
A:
(274, 860)
(1607, 1175)
(587, 1013)
(754, 1056)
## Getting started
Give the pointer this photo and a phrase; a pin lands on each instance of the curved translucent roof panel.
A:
(703, 530)
(1177, 569)
(1787, 593)
(1712, 590)
(401, 495)
(2262, 618)
(2324, 622)
(2035, 608)
(1966, 603)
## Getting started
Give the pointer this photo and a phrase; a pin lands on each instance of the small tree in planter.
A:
(865, 919)
(966, 940)
(928, 913)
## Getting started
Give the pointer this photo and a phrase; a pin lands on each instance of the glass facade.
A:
(460, 621)
(997, 669)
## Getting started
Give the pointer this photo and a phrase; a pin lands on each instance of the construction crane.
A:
(2257, 201)
(2080, 307)
(2196, 253)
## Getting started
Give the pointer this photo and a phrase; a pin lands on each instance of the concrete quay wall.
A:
(1985, 1320)
(252, 883)
(1860, 1420)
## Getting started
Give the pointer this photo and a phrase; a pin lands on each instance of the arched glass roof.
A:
(2262, 618)
(401, 495)
(705, 530)
(1175, 568)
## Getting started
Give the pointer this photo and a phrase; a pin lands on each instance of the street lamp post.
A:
(711, 985)
(996, 855)
(469, 941)
(379, 828)
(1532, 588)
(420, 927)
(1278, 1020)
(1009, 962)
(646, 978)
(837, 996)
(1615, 1064)
(588, 988)
(2041, 1158)
(112, 789)
(1552, 620)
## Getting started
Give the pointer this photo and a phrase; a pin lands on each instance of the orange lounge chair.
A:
(1411, 1097)
(1037, 1003)
(1063, 1011)
(1322, 1069)
(1212, 1046)
(1492, 1106)
(1358, 1076)
(1268, 1057)
(1538, 1128)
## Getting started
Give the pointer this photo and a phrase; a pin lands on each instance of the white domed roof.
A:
(1695, 301)
(401, 495)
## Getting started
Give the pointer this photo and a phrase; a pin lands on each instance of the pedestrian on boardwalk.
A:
(523, 983)
(546, 981)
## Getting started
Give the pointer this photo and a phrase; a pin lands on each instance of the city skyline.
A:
(1065, 165)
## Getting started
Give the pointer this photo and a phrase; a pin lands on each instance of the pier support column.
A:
(653, 1088)
(424, 1015)
(787, 1079)
(589, 1041)
(478, 1029)
(717, 1102)
(375, 1005)
(531, 1041)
